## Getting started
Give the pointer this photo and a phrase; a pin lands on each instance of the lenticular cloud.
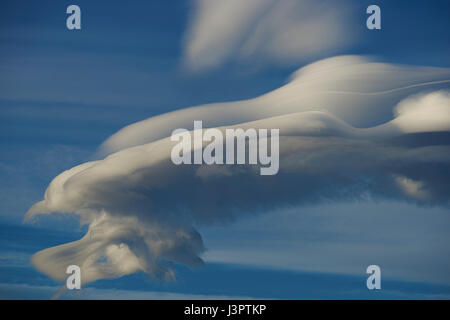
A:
(350, 128)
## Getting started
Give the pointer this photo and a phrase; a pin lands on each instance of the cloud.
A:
(358, 90)
(143, 210)
(276, 31)
(424, 113)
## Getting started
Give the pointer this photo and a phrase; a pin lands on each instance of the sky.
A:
(65, 97)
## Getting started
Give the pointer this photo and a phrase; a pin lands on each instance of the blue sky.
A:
(62, 93)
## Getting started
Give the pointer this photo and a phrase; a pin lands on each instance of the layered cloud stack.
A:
(350, 128)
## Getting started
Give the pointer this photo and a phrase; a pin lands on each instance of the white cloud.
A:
(142, 210)
(357, 90)
(413, 188)
(424, 112)
(277, 31)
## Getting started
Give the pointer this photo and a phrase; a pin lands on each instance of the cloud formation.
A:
(275, 31)
(345, 126)
(357, 90)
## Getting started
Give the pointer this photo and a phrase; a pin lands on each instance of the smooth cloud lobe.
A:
(142, 209)
(357, 90)
(275, 31)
